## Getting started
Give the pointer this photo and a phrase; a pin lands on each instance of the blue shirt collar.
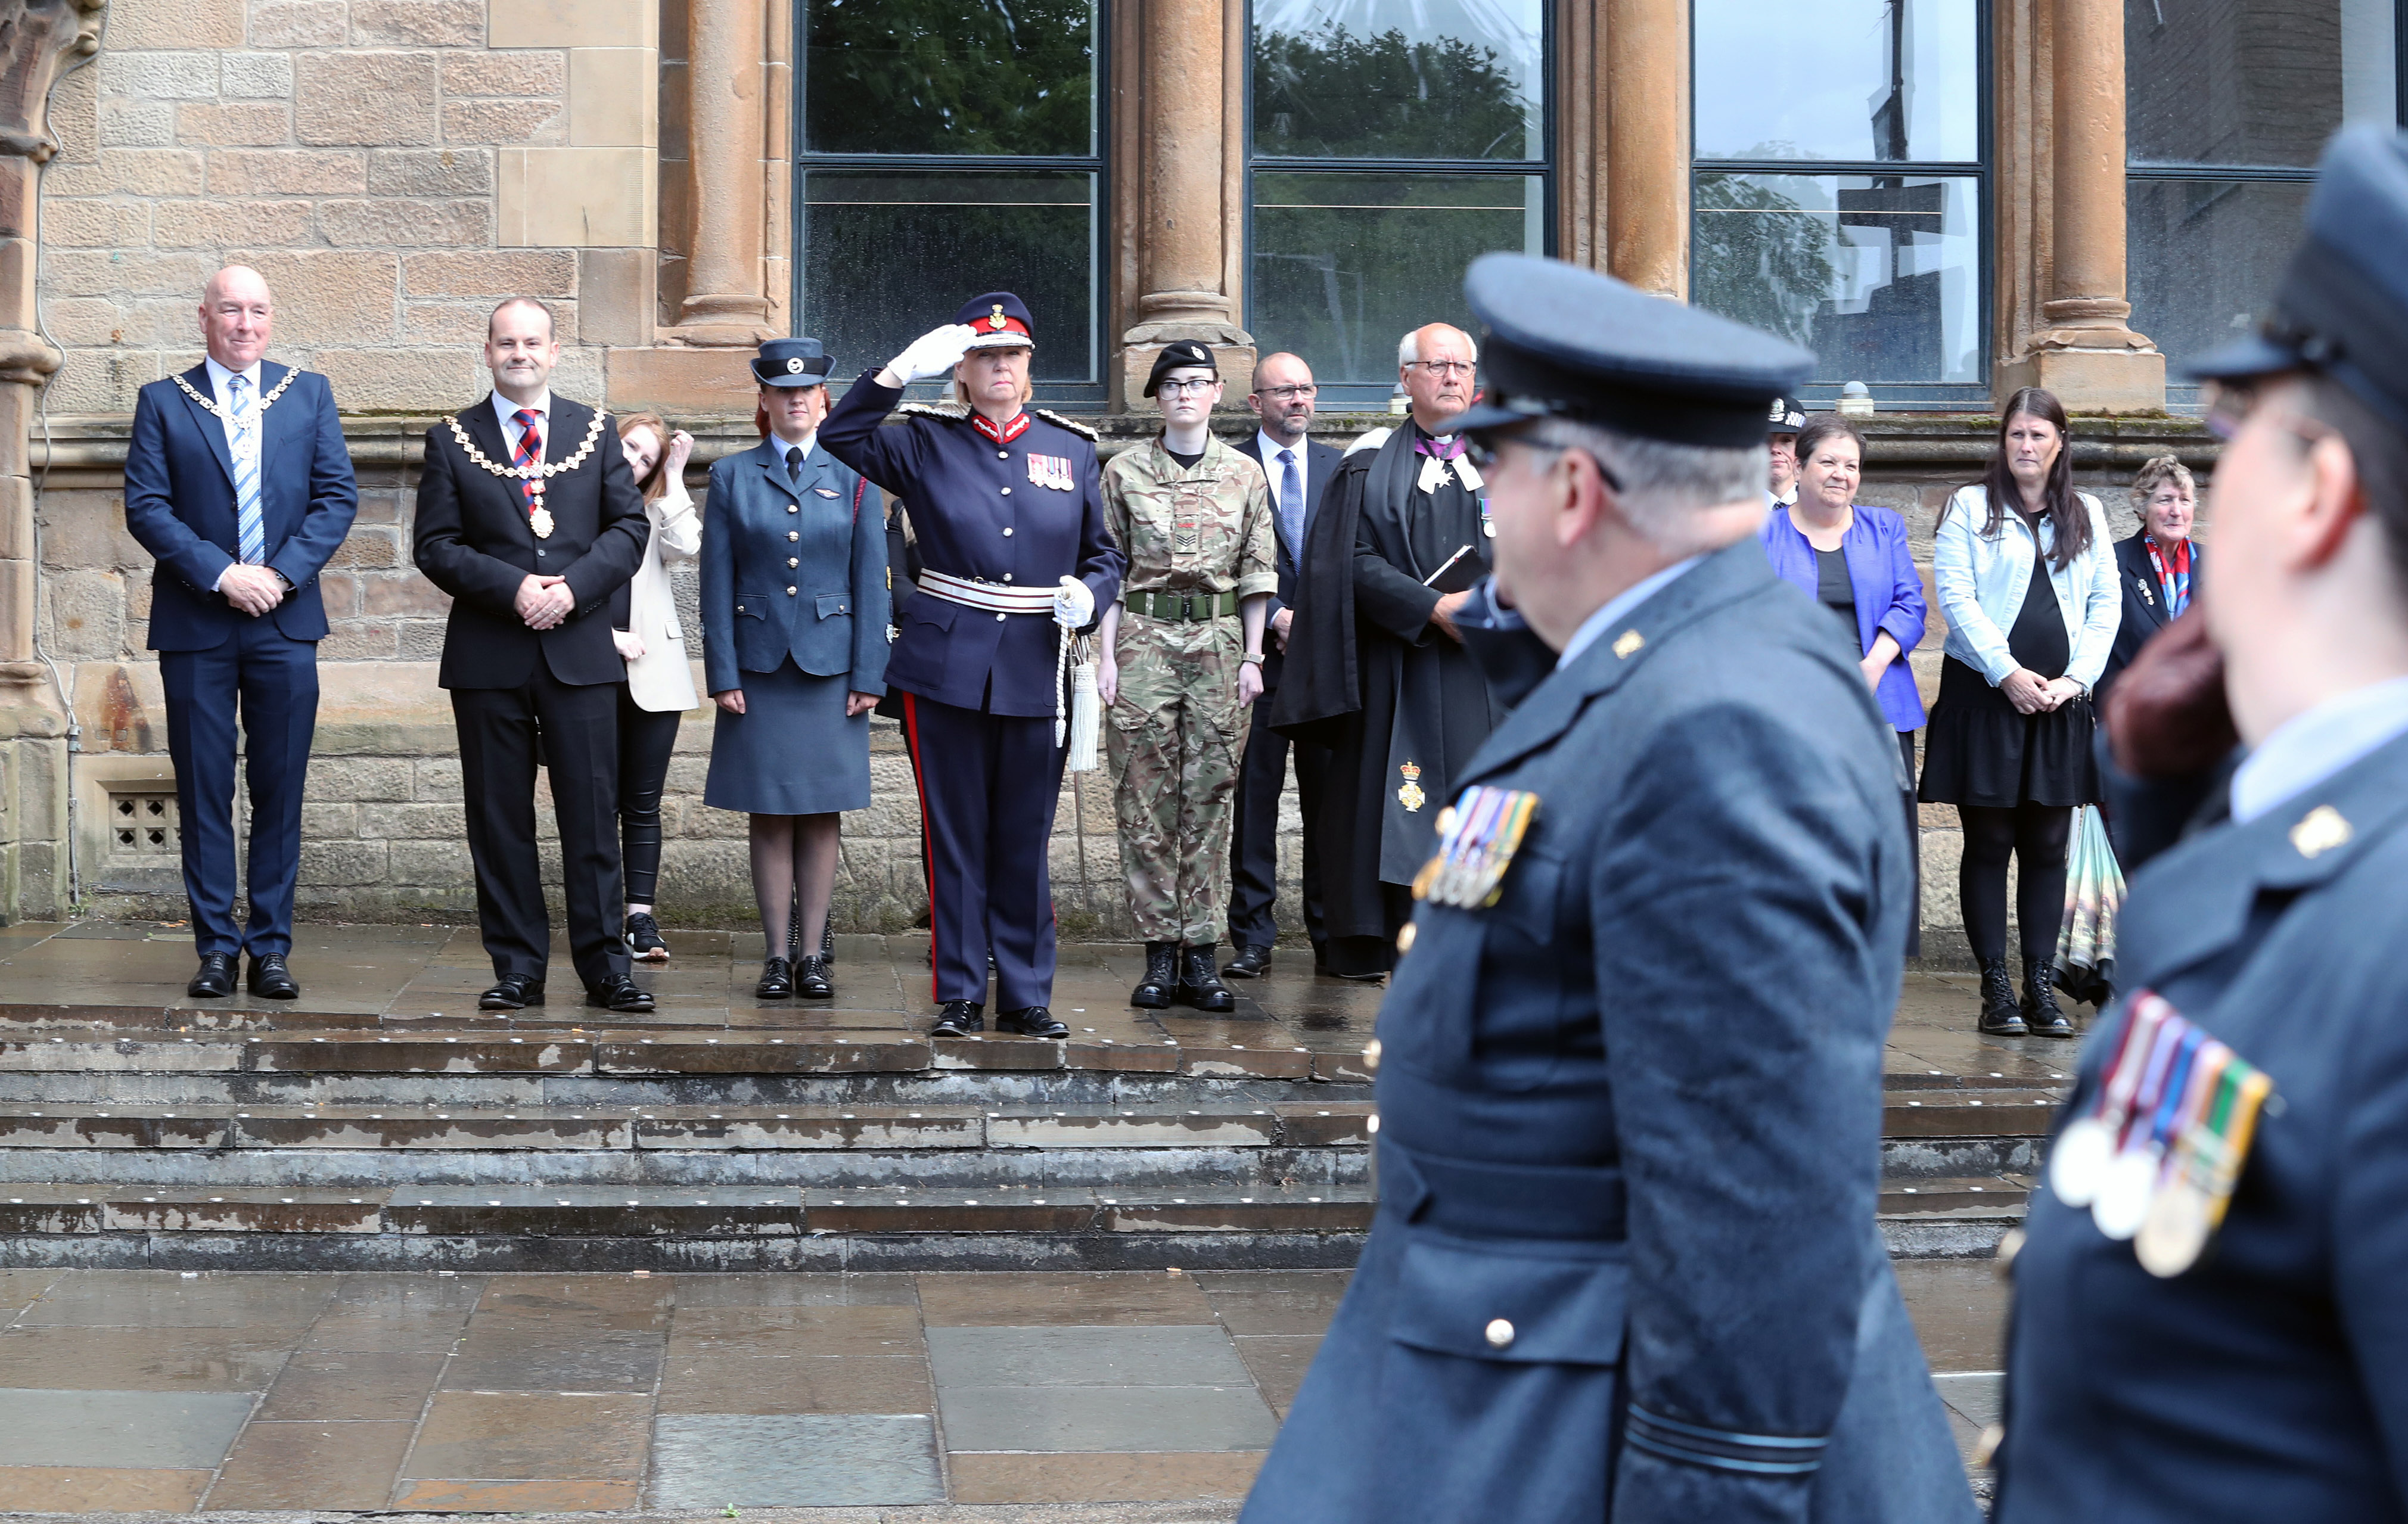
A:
(1620, 604)
(2308, 748)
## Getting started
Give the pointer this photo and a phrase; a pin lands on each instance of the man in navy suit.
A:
(1299, 473)
(237, 482)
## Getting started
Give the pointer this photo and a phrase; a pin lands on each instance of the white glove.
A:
(1073, 604)
(934, 352)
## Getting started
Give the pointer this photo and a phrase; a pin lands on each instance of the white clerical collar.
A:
(219, 375)
(1620, 604)
(2308, 748)
(508, 410)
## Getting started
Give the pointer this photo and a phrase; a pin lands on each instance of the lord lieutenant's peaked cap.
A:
(1001, 319)
(792, 361)
(1560, 341)
(2343, 306)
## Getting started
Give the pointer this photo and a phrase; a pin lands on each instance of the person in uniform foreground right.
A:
(1626, 1265)
(2209, 1320)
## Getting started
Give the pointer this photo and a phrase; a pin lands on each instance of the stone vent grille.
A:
(142, 825)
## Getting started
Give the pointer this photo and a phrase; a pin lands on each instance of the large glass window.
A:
(950, 146)
(1841, 185)
(1394, 141)
(2227, 104)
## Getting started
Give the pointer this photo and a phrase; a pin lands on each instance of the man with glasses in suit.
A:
(1299, 471)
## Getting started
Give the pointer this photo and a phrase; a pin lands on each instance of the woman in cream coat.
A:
(660, 685)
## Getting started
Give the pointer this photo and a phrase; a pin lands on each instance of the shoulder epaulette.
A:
(953, 412)
(1070, 423)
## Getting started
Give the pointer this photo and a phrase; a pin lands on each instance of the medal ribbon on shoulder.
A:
(2157, 1155)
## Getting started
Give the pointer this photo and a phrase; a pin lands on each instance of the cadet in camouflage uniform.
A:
(1179, 669)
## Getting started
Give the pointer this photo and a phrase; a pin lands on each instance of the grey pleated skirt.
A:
(791, 751)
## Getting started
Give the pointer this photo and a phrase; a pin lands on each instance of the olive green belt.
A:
(1182, 605)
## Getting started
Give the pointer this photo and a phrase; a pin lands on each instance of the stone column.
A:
(1646, 51)
(2084, 349)
(37, 39)
(1184, 222)
(725, 302)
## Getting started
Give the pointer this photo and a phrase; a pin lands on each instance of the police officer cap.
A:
(1001, 319)
(1788, 414)
(2343, 306)
(1180, 355)
(1566, 342)
(792, 361)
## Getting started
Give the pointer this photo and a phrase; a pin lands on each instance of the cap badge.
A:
(1627, 643)
(793, 365)
(2320, 831)
(996, 320)
(1410, 795)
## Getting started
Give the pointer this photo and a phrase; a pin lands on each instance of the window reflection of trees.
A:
(1759, 257)
(1332, 95)
(1003, 77)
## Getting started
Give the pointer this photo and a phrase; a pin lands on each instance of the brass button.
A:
(794, 534)
(739, 608)
(792, 562)
(792, 509)
(1006, 577)
(1006, 533)
(1003, 454)
(1007, 491)
(999, 618)
(1501, 1333)
(790, 592)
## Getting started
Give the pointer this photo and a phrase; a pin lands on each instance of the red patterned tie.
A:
(530, 452)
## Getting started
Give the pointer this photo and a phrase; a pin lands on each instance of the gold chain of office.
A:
(264, 402)
(531, 473)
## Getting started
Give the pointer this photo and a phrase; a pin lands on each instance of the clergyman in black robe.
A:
(1375, 672)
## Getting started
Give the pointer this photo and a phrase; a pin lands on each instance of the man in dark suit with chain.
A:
(238, 481)
(529, 518)
(1299, 471)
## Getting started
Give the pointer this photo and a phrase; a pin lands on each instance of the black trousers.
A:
(579, 724)
(1254, 834)
(646, 739)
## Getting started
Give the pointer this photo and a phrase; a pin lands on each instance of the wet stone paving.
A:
(131, 1390)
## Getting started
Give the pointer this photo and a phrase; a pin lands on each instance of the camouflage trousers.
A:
(1175, 734)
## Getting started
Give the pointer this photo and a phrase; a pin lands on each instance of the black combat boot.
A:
(2040, 1015)
(2000, 1016)
(1199, 982)
(1154, 991)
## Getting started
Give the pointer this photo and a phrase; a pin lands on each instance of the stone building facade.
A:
(396, 166)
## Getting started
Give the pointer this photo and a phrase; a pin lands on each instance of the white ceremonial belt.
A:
(995, 597)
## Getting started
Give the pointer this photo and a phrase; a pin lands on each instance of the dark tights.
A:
(2035, 835)
(646, 738)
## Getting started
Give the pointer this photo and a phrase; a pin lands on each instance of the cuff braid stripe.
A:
(1723, 1449)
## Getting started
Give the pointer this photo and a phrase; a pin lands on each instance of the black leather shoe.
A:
(2000, 1016)
(214, 978)
(777, 980)
(811, 981)
(2042, 1017)
(959, 1019)
(1155, 990)
(1199, 982)
(270, 979)
(1035, 1021)
(1251, 962)
(644, 939)
(619, 992)
(514, 991)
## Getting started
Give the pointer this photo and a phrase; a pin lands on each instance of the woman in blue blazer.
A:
(794, 620)
(1853, 558)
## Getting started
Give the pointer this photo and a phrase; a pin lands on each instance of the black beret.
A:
(1179, 354)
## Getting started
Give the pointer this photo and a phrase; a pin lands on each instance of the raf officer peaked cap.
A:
(1183, 354)
(1001, 320)
(1566, 342)
(2342, 306)
(792, 361)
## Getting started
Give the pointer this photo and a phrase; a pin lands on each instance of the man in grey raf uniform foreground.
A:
(1626, 1265)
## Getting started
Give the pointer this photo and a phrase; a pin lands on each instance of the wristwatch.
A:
(1252, 658)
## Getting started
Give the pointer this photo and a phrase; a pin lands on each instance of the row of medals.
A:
(2156, 1154)
(1478, 836)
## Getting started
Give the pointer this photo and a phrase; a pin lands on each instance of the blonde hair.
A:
(656, 480)
(1028, 381)
(2156, 474)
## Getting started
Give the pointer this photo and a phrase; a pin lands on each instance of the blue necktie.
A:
(250, 533)
(1291, 505)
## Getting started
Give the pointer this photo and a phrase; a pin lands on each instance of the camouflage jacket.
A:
(1209, 530)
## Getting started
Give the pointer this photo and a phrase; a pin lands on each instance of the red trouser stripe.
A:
(927, 842)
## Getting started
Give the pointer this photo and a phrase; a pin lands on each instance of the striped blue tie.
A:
(251, 530)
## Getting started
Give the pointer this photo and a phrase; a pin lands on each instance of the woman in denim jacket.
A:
(2027, 581)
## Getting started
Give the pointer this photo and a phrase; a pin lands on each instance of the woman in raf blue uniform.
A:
(1626, 1265)
(2209, 1322)
(1007, 514)
(794, 622)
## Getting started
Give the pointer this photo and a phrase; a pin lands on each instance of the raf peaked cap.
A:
(792, 361)
(2343, 306)
(1565, 342)
(1001, 319)
(1183, 354)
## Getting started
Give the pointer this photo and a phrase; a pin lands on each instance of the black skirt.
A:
(1979, 750)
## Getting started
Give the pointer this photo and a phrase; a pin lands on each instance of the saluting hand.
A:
(933, 353)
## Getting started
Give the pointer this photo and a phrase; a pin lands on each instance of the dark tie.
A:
(795, 462)
(1291, 505)
(530, 451)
